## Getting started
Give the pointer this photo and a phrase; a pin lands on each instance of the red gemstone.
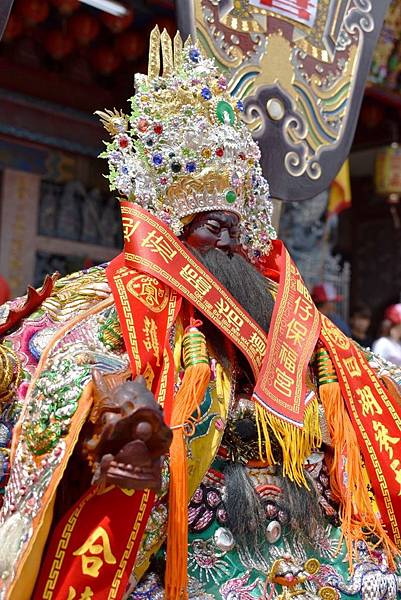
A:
(123, 142)
(241, 155)
(143, 125)
(158, 129)
(219, 152)
(163, 180)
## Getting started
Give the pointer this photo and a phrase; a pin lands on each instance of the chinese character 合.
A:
(296, 331)
(196, 280)
(385, 441)
(92, 563)
(367, 400)
(159, 245)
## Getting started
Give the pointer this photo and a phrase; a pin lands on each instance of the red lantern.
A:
(167, 23)
(58, 44)
(66, 7)
(117, 24)
(130, 45)
(105, 60)
(33, 12)
(84, 28)
(14, 28)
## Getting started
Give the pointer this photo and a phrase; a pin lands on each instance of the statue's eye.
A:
(213, 226)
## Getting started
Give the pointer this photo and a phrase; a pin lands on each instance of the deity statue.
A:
(183, 423)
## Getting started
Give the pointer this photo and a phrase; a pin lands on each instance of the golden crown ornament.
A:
(184, 148)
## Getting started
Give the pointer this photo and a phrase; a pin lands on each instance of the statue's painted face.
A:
(215, 229)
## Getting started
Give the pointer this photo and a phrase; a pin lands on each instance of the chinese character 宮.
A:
(283, 382)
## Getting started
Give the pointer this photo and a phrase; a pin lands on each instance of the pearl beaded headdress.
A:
(184, 148)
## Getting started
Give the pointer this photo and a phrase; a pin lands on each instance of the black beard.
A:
(245, 284)
(242, 280)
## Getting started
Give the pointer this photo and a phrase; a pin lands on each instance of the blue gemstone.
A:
(240, 106)
(125, 170)
(157, 159)
(190, 167)
(206, 93)
(194, 55)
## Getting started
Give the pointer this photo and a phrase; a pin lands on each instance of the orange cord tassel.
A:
(357, 515)
(188, 398)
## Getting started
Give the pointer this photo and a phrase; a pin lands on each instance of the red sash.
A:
(376, 418)
(375, 414)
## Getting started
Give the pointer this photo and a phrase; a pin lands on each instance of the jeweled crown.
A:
(184, 148)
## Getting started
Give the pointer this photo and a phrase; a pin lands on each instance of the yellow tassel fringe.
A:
(296, 443)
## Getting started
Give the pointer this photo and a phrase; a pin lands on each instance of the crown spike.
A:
(154, 53)
(178, 51)
(167, 54)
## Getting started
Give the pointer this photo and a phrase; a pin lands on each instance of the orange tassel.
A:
(358, 518)
(187, 400)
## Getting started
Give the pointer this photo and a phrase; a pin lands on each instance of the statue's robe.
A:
(56, 347)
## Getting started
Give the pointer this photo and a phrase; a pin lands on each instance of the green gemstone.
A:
(224, 110)
(231, 197)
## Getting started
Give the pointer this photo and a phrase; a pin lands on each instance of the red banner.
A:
(294, 331)
(147, 310)
(93, 550)
(376, 418)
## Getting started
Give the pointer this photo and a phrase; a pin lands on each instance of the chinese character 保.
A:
(296, 331)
